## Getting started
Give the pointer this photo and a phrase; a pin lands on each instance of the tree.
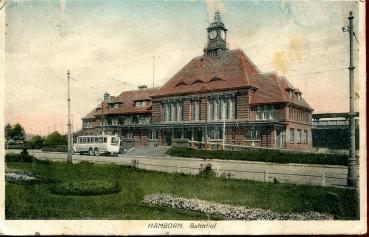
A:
(18, 133)
(37, 141)
(55, 139)
(14, 133)
(8, 130)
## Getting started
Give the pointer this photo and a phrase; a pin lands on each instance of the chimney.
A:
(140, 87)
(106, 96)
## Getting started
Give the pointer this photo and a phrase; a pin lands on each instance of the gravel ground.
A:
(18, 175)
(226, 211)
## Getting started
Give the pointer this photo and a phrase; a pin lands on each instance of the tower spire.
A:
(217, 36)
(217, 16)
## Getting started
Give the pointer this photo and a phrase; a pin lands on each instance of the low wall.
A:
(322, 175)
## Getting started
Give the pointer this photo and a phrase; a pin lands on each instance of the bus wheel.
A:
(91, 152)
(97, 152)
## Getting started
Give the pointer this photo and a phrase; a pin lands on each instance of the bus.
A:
(97, 145)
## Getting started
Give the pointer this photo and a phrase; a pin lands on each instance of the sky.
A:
(109, 45)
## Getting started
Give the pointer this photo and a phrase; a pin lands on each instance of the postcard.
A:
(199, 117)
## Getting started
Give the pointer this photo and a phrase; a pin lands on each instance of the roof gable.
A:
(230, 70)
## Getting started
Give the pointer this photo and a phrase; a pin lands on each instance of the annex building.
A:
(219, 96)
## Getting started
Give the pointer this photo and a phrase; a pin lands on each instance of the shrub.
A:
(86, 188)
(275, 156)
(21, 157)
(206, 171)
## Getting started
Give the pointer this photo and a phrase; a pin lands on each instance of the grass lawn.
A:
(35, 201)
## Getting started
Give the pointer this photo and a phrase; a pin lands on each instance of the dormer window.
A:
(181, 83)
(216, 79)
(197, 81)
(141, 103)
(116, 106)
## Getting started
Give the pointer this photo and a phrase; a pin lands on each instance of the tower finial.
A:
(217, 16)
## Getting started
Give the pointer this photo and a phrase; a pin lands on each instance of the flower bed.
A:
(86, 188)
(226, 211)
(13, 175)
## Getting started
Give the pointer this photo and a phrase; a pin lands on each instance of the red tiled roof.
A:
(126, 100)
(231, 70)
(273, 89)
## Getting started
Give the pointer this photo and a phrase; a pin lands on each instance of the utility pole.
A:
(224, 117)
(353, 174)
(70, 157)
(153, 71)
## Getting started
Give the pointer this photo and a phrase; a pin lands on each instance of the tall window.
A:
(305, 137)
(127, 134)
(265, 112)
(221, 108)
(153, 134)
(173, 111)
(292, 135)
(215, 133)
(298, 135)
(252, 134)
(195, 110)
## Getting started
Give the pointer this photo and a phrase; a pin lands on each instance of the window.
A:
(116, 106)
(173, 111)
(87, 124)
(292, 135)
(141, 103)
(298, 135)
(153, 134)
(265, 112)
(127, 134)
(252, 134)
(215, 133)
(195, 106)
(114, 121)
(221, 108)
(305, 137)
(114, 141)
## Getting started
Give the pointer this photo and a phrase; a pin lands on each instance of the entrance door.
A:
(168, 137)
(278, 140)
(198, 135)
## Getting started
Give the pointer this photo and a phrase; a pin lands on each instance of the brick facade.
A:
(243, 106)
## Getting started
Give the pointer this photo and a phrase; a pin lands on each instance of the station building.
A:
(221, 94)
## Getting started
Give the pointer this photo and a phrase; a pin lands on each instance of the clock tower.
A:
(217, 37)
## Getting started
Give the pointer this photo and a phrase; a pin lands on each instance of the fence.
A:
(321, 175)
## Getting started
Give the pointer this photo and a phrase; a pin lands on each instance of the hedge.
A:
(23, 146)
(21, 157)
(86, 188)
(274, 156)
(59, 148)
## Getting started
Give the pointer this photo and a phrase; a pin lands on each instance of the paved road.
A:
(325, 175)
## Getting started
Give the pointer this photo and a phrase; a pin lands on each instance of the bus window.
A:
(105, 139)
(114, 141)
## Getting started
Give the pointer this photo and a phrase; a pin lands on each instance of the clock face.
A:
(222, 34)
(213, 34)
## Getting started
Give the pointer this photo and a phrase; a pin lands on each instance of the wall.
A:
(295, 145)
(243, 106)
(156, 112)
